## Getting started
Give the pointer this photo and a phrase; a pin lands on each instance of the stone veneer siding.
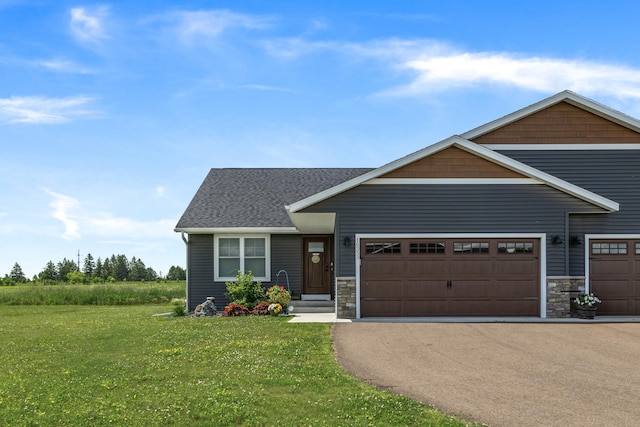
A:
(346, 297)
(560, 292)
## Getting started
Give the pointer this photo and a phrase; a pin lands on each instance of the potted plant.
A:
(279, 295)
(586, 305)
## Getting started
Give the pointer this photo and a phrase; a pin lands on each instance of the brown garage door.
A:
(614, 275)
(449, 277)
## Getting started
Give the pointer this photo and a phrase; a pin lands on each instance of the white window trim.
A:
(267, 254)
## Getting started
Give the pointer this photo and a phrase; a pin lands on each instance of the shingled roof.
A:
(257, 197)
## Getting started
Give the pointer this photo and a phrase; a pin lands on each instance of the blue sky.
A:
(111, 114)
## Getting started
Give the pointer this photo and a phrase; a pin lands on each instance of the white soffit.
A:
(314, 223)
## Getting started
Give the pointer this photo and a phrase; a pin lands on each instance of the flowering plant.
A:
(278, 294)
(275, 309)
(588, 300)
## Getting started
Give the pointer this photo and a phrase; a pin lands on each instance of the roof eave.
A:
(473, 148)
(236, 230)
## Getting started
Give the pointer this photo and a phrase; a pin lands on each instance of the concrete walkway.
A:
(331, 318)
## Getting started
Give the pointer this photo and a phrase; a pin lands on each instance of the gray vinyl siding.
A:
(200, 270)
(286, 254)
(451, 209)
(614, 174)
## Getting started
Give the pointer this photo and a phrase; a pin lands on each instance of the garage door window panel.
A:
(609, 248)
(383, 248)
(515, 248)
(427, 247)
(471, 247)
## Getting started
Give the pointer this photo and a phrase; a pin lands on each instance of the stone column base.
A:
(560, 291)
(346, 297)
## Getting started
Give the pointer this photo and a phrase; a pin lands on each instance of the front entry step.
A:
(312, 306)
(315, 297)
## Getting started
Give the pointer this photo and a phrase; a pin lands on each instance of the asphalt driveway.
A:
(503, 374)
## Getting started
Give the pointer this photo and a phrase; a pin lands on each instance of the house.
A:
(508, 219)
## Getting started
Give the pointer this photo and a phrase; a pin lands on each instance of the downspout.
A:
(566, 244)
(186, 291)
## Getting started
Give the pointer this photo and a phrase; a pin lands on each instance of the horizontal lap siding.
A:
(450, 209)
(285, 255)
(200, 270)
(614, 174)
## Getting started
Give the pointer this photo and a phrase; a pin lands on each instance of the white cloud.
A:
(440, 73)
(190, 25)
(265, 88)
(78, 221)
(159, 191)
(40, 110)
(62, 205)
(64, 66)
(88, 24)
(432, 66)
(107, 224)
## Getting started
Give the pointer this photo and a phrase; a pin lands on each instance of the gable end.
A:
(561, 123)
(452, 162)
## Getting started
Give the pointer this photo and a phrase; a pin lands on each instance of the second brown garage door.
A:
(449, 277)
(615, 275)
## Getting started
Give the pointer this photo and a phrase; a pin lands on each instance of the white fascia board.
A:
(567, 96)
(238, 230)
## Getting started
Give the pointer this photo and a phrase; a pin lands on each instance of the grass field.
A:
(119, 293)
(118, 365)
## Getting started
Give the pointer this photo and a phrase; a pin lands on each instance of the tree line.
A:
(116, 268)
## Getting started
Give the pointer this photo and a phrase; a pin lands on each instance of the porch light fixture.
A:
(556, 240)
(574, 240)
(346, 241)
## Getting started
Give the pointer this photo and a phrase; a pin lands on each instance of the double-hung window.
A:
(243, 253)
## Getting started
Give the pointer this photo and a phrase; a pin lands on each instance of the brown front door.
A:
(317, 265)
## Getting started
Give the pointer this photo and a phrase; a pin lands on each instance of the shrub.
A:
(278, 294)
(179, 311)
(245, 291)
(262, 309)
(234, 309)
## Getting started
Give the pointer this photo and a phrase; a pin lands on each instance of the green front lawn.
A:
(81, 366)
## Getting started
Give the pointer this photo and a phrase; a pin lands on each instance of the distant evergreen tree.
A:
(49, 273)
(151, 274)
(176, 273)
(65, 267)
(16, 274)
(107, 269)
(98, 271)
(120, 267)
(89, 266)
